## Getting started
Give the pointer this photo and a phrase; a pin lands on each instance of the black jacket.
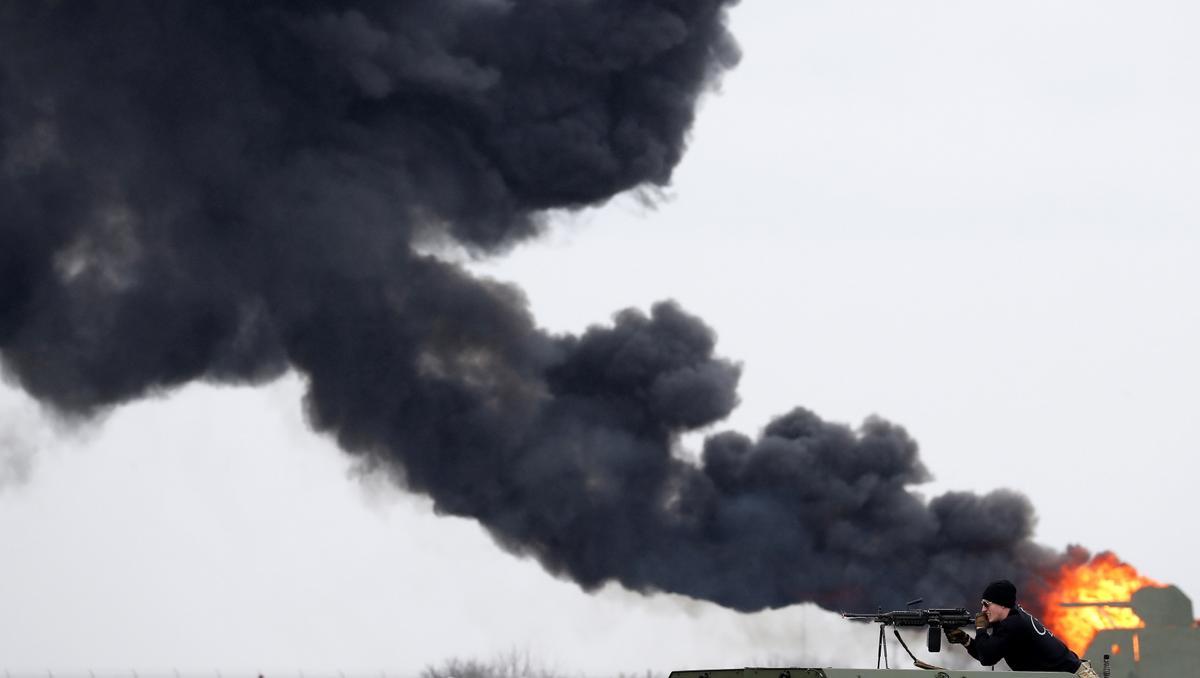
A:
(1023, 642)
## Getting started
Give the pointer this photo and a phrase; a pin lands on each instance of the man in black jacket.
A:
(1016, 636)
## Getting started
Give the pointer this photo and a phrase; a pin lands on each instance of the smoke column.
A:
(226, 190)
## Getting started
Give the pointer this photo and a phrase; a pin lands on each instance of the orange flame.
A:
(1105, 578)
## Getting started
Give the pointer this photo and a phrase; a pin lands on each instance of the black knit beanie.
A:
(1001, 592)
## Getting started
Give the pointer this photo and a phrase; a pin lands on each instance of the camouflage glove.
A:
(981, 621)
(957, 636)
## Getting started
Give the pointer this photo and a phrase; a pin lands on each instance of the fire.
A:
(1105, 578)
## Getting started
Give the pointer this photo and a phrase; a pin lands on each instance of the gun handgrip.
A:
(935, 639)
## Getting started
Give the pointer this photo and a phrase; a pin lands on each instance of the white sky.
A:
(975, 219)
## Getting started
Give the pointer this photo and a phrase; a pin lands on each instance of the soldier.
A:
(1006, 631)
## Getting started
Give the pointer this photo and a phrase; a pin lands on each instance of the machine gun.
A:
(935, 619)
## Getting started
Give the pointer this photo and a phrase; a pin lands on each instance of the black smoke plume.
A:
(224, 190)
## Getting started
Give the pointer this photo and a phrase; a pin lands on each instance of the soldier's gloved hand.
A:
(957, 636)
(981, 621)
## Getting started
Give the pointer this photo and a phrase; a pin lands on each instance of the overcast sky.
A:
(977, 220)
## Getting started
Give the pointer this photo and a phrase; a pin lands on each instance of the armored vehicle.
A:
(1168, 645)
(855, 673)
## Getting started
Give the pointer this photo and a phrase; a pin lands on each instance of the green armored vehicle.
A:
(856, 673)
(1168, 645)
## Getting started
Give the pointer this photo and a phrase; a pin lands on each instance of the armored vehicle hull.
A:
(854, 673)
(1166, 646)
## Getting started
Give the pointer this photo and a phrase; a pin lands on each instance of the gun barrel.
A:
(859, 616)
